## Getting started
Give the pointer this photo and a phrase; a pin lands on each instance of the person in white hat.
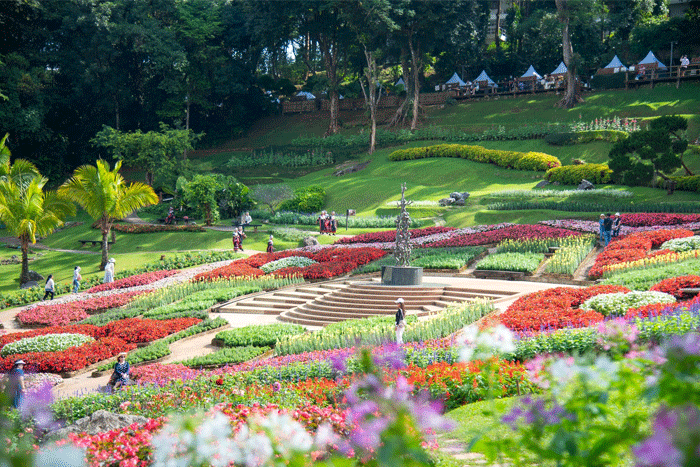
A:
(270, 245)
(617, 225)
(76, 279)
(15, 388)
(400, 320)
(109, 271)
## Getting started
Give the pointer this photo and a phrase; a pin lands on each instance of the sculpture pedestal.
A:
(402, 275)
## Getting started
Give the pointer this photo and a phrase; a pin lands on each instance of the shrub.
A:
(561, 139)
(308, 199)
(573, 174)
(689, 183)
(258, 336)
(682, 244)
(509, 159)
(226, 356)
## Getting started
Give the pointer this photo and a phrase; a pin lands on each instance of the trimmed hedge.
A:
(688, 183)
(583, 137)
(536, 161)
(573, 174)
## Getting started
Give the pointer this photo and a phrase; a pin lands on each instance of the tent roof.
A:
(651, 58)
(306, 94)
(531, 72)
(456, 80)
(400, 82)
(616, 63)
(484, 77)
(560, 70)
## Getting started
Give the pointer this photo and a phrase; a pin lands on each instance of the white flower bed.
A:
(682, 244)
(45, 343)
(617, 304)
(289, 262)
(561, 193)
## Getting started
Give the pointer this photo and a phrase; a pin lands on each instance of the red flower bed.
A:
(331, 262)
(647, 219)
(634, 247)
(514, 232)
(87, 329)
(64, 313)
(554, 308)
(390, 235)
(135, 330)
(656, 308)
(674, 285)
(133, 281)
(72, 359)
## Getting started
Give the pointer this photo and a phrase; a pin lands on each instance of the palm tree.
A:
(22, 171)
(106, 196)
(28, 211)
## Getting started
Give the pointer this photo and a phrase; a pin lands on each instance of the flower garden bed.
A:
(390, 235)
(511, 232)
(133, 281)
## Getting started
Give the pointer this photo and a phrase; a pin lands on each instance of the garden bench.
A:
(493, 274)
(93, 242)
(691, 291)
(254, 226)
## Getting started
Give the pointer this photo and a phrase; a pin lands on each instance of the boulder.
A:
(459, 202)
(99, 422)
(455, 195)
(465, 195)
(29, 285)
(542, 184)
(446, 202)
(35, 276)
(309, 241)
(585, 185)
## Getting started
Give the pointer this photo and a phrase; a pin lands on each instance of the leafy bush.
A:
(682, 244)
(687, 183)
(508, 159)
(264, 157)
(561, 139)
(585, 136)
(258, 336)
(289, 234)
(617, 304)
(524, 262)
(226, 356)
(288, 262)
(45, 343)
(308, 199)
(573, 174)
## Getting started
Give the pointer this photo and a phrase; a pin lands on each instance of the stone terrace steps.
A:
(365, 299)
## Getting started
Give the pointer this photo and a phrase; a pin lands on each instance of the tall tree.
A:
(105, 196)
(29, 212)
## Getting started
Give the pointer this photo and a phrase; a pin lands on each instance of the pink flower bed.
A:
(133, 281)
(593, 226)
(515, 232)
(64, 313)
(390, 235)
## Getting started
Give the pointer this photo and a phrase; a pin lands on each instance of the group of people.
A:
(609, 227)
(237, 238)
(327, 223)
(50, 287)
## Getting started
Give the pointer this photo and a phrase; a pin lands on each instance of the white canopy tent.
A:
(616, 63)
(531, 72)
(650, 59)
(400, 82)
(484, 77)
(456, 80)
(560, 70)
(306, 94)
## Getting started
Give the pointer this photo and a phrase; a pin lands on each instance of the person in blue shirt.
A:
(601, 228)
(15, 388)
(120, 376)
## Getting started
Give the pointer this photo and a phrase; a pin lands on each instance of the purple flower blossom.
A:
(534, 412)
(675, 439)
(36, 406)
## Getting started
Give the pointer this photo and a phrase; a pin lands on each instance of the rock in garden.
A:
(309, 241)
(456, 195)
(585, 185)
(542, 184)
(99, 422)
(465, 195)
(35, 276)
(446, 202)
(29, 285)
(459, 202)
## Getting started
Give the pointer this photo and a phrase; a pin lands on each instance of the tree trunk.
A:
(187, 123)
(400, 115)
(415, 70)
(497, 36)
(24, 274)
(371, 97)
(104, 229)
(207, 214)
(116, 113)
(329, 49)
(570, 97)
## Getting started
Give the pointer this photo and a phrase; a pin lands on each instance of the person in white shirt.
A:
(49, 287)
(109, 271)
(400, 321)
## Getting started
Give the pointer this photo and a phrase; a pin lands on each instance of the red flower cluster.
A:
(133, 281)
(657, 308)
(310, 416)
(647, 219)
(554, 308)
(331, 262)
(115, 337)
(674, 285)
(514, 232)
(64, 313)
(634, 247)
(390, 235)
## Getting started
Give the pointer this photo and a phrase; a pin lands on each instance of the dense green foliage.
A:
(573, 174)
(259, 336)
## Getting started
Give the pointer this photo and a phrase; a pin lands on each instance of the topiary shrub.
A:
(308, 199)
(573, 174)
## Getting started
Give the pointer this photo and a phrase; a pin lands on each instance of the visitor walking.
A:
(270, 245)
(49, 288)
(617, 225)
(400, 320)
(334, 223)
(684, 65)
(76, 279)
(236, 239)
(241, 236)
(120, 376)
(607, 228)
(109, 271)
(15, 387)
(601, 228)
